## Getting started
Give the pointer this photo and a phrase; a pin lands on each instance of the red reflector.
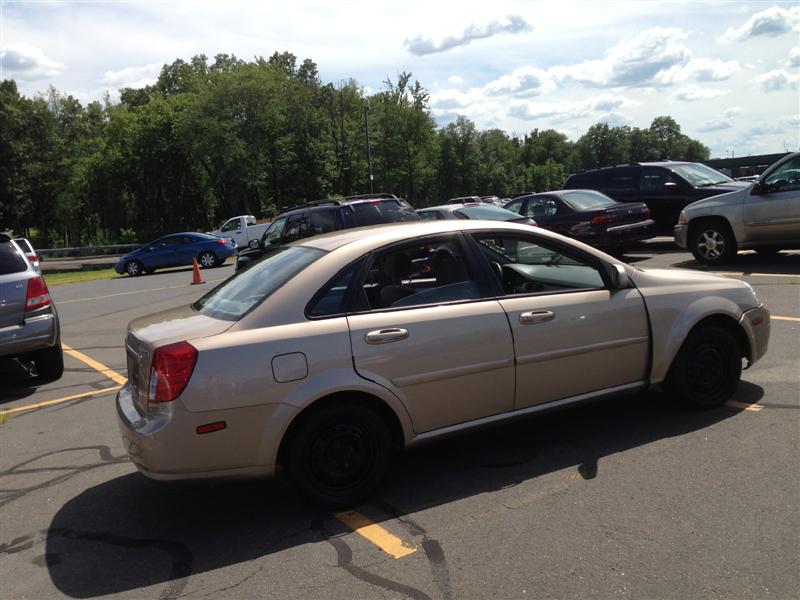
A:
(172, 367)
(209, 427)
(38, 295)
(758, 320)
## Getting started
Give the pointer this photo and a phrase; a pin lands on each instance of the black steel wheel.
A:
(707, 369)
(339, 454)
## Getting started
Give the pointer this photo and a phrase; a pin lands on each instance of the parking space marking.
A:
(59, 400)
(743, 405)
(97, 366)
(777, 318)
(388, 542)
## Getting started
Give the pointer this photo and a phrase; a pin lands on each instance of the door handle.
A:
(536, 316)
(384, 336)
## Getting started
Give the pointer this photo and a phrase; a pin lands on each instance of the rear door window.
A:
(360, 214)
(322, 221)
(619, 180)
(11, 261)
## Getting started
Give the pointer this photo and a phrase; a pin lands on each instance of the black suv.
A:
(323, 216)
(666, 187)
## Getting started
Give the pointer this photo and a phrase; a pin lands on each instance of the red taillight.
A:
(172, 367)
(32, 257)
(647, 212)
(222, 242)
(601, 219)
(38, 295)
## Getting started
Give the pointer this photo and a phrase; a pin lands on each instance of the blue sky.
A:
(727, 71)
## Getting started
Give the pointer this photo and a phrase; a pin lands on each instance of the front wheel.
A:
(339, 454)
(207, 259)
(134, 268)
(713, 243)
(707, 369)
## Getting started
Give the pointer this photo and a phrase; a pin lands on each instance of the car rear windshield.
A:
(587, 200)
(24, 245)
(700, 175)
(11, 261)
(376, 212)
(488, 212)
(235, 297)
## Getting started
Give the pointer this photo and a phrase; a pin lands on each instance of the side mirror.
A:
(619, 277)
(254, 243)
(671, 186)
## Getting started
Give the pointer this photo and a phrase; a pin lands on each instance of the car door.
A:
(772, 206)
(233, 229)
(544, 210)
(160, 254)
(430, 336)
(664, 201)
(573, 335)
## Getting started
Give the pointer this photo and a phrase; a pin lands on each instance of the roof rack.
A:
(369, 196)
(325, 202)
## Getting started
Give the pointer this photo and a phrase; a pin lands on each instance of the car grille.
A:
(138, 369)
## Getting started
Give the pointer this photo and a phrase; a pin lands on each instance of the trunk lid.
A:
(623, 213)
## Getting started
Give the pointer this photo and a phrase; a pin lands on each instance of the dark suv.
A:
(323, 216)
(666, 187)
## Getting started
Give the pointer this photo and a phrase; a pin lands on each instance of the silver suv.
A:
(29, 327)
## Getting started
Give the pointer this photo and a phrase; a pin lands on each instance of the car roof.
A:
(450, 207)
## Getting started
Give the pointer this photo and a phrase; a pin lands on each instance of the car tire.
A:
(707, 368)
(49, 363)
(207, 259)
(134, 268)
(712, 243)
(339, 454)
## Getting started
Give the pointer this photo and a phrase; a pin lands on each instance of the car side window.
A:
(273, 234)
(620, 179)
(522, 265)
(514, 206)
(785, 178)
(432, 272)
(332, 299)
(231, 225)
(541, 207)
(322, 221)
(296, 227)
(430, 215)
(653, 180)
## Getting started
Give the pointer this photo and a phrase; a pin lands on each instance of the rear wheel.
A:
(207, 259)
(134, 268)
(712, 243)
(49, 363)
(339, 454)
(707, 369)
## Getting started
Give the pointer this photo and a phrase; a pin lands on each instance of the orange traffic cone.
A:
(196, 277)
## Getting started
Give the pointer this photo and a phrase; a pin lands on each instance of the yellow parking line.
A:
(98, 366)
(59, 400)
(736, 404)
(389, 543)
(777, 318)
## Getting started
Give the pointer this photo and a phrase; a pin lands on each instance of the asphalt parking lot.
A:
(633, 497)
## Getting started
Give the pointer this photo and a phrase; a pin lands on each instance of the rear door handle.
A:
(536, 316)
(384, 336)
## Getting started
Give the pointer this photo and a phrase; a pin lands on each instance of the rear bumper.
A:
(35, 333)
(628, 233)
(165, 445)
(756, 324)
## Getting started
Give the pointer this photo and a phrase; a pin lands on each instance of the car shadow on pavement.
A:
(16, 381)
(779, 264)
(129, 533)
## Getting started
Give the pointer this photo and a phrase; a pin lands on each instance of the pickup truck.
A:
(241, 230)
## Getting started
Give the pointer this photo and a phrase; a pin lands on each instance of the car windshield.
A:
(375, 212)
(235, 297)
(586, 200)
(700, 175)
(488, 212)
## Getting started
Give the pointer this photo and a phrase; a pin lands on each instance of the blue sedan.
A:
(176, 250)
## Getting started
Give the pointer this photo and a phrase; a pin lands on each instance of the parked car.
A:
(174, 251)
(588, 216)
(764, 216)
(30, 253)
(492, 200)
(241, 230)
(471, 200)
(29, 327)
(666, 187)
(331, 353)
(472, 211)
(324, 216)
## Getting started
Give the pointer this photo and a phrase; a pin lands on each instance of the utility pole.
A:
(369, 150)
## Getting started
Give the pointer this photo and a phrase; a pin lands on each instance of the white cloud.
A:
(420, 45)
(134, 77)
(771, 22)
(715, 125)
(455, 80)
(28, 63)
(690, 93)
(525, 81)
(564, 111)
(794, 57)
(732, 111)
(777, 79)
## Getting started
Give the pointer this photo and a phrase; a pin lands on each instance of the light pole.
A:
(369, 150)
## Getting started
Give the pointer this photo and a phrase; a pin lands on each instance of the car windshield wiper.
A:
(714, 183)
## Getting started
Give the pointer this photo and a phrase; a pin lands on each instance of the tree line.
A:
(217, 138)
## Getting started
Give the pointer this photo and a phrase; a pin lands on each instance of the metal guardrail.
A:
(87, 251)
